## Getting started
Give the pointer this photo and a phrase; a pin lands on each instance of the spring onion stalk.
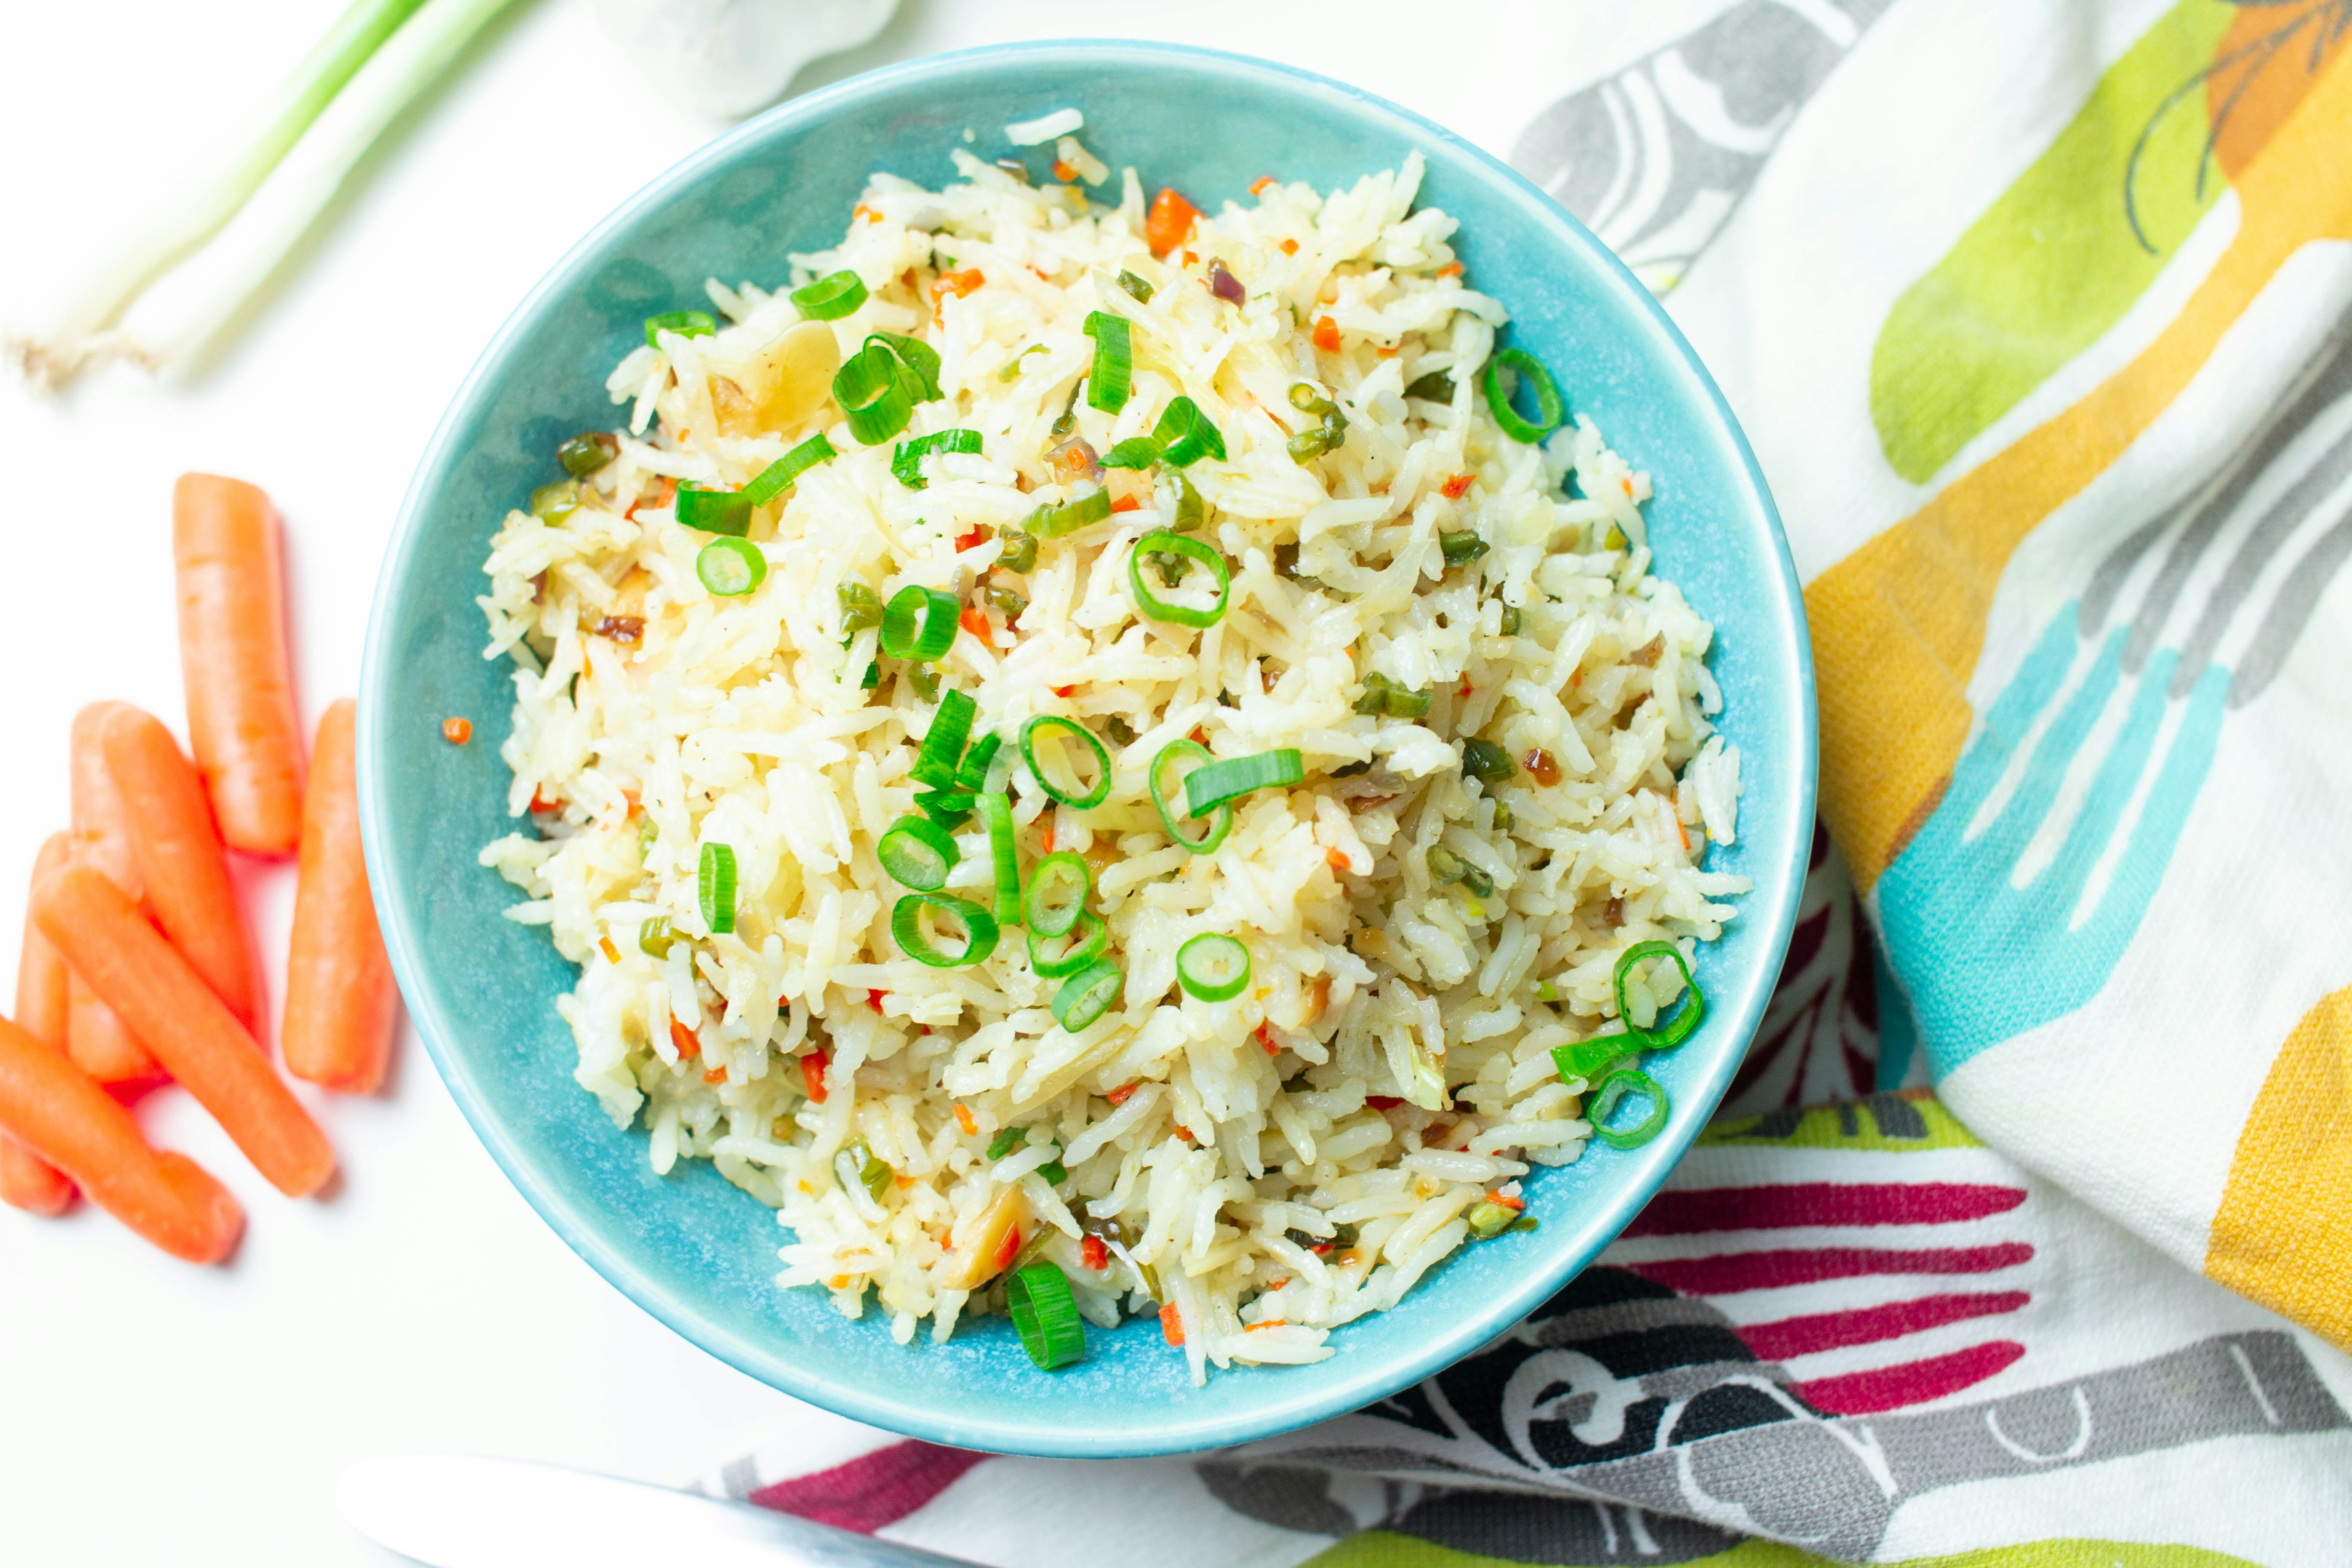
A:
(1489, 1219)
(1213, 785)
(917, 356)
(1078, 794)
(830, 298)
(1051, 522)
(714, 887)
(778, 477)
(1213, 967)
(1056, 894)
(654, 937)
(1163, 542)
(1087, 994)
(684, 323)
(906, 926)
(877, 393)
(554, 503)
(907, 458)
(1108, 382)
(1007, 1140)
(972, 774)
(1045, 1315)
(1054, 958)
(1004, 851)
(426, 40)
(942, 751)
(1549, 409)
(917, 853)
(1161, 786)
(1611, 1091)
(1667, 1034)
(731, 567)
(919, 623)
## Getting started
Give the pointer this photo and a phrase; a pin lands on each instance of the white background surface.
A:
(151, 1412)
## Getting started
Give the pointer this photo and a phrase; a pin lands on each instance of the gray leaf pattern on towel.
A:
(1657, 158)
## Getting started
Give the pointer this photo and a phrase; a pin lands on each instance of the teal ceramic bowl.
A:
(691, 1249)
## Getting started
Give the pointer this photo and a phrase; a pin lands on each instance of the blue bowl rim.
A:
(1344, 1388)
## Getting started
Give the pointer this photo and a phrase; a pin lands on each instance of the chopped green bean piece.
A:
(584, 454)
(1006, 600)
(1020, 553)
(1482, 759)
(1461, 549)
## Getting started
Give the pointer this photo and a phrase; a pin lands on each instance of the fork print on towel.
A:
(2017, 897)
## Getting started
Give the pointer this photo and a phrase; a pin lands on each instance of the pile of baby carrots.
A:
(137, 965)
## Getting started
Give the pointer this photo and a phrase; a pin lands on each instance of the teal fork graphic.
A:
(1984, 958)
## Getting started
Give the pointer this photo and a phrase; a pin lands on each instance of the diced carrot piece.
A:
(1336, 859)
(1326, 334)
(28, 1182)
(715, 1075)
(812, 1075)
(181, 863)
(1453, 489)
(1127, 503)
(611, 955)
(233, 662)
(959, 284)
(1508, 1202)
(1170, 222)
(1123, 1093)
(965, 1121)
(968, 541)
(175, 1015)
(456, 731)
(874, 999)
(1063, 690)
(48, 1105)
(1093, 1255)
(975, 622)
(1064, 171)
(1172, 1324)
(1262, 183)
(861, 210)
(1265, 1032)
(1451, 269)
(683, 1039)
(1289, 248)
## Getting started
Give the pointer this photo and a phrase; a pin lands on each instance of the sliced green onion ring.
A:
(907, 458)
(1162, 541)
(919, 623)
(778, 477)
(1674, 1030)
(731, 567)
(917, 356)
(973, 773)
(1184, 434)
(830, 298)
(654, 937)
(713, 512)
(1207, 788)
(1549, 407)
(714, 886)
(1107, 383)
(1045, 1315)
(1004, 850)
(917, 853)
(1056, 894)
(942, 751)
(1213, 967)
(873, 387)
(1051, 522)
(1615, 1087)
(684, 323)
(1161, 788)
(906, 926)
(1088, 940)
(1087, 994)
(1077, 796)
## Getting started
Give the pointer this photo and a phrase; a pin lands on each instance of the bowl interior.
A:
(692, 1249)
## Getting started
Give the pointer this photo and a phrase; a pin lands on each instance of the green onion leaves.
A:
(830, 298)
(684, 323)
(1150, 605)
(920, 624)
(1215, 784)
(731, 567)
(877, 392)
(1047, 726)
(1045, 1315)
(907, 458)
(1483, 759)
(714, 887)
(1183, 437)
(1051, 522)
(939, 760)
(921, 360)
(777, 476)
(1107, 383)
(1549, 409)
(1213, 967)
(906, 927)
(1005, 853)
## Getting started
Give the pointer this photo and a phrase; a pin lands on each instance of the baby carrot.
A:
(27, 1181)
(180, 860)
(233, 662)
(169, 1006)
(49, 1105)
(98, 1041)
(340, 1003)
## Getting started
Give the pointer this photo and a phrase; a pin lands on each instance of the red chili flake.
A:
(665, 490)
(689, 1047)
(1453, 487)
(1063, 690)
(1199, 736)
(456, 731)
(540, 802)
(1049, 837)
(1266, 1037)
(1506, 1203)
(1123, 1093)
(812, 1075)
(715, 1075)
(1011, 1248)
(1326, 334)
(1466, 686)
(874, 999)
(1382, 1101)
(1093, 1255)
(966, 541)
(1172, 1324)
(972, 621)
(1262, 183)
